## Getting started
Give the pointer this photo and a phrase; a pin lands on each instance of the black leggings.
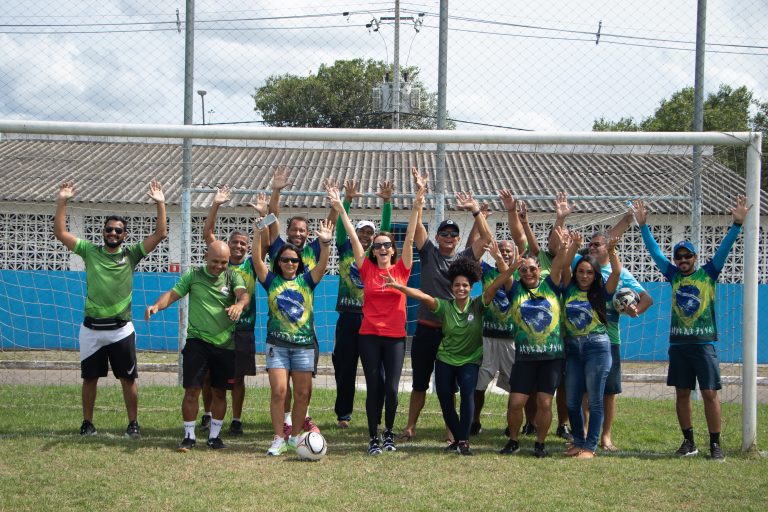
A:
(375, 352)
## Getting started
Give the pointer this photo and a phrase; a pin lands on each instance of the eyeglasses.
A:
(379, 245)
(448, 234)
(685, 256)
(118, 231)
(283, 259)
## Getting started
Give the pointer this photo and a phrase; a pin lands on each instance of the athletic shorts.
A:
(424, 346)
(298, 359)
(530, 377)
(613, 382)
(245, 353)
(691, 361)
(200, 357)
(116, 347)
(498, 357)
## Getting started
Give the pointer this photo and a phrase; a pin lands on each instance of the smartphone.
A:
(266, 221)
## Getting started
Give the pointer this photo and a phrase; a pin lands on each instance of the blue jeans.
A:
(446, 378)
(587, 363)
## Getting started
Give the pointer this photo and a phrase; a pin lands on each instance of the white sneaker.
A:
(278, 446)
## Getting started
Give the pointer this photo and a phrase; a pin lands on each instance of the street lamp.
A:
(202, 93)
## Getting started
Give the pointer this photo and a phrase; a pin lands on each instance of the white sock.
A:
(307, 414)
(189, 429)
(235, 419)
(207, 413)
(215, 428)
(287, 419)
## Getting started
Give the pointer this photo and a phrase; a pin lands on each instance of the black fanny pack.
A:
(103, 324)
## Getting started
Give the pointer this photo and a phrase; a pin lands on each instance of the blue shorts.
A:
(691, 361)
(297, 359)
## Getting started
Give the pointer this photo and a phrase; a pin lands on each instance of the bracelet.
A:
(326, 243)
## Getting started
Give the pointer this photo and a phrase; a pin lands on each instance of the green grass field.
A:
(46, 465)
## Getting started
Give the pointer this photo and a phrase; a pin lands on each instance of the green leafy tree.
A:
(339, 96)
(727, 110)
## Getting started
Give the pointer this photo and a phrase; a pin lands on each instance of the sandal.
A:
(610, 447)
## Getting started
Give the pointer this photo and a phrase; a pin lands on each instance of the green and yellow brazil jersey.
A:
(497, 322)
(462, 331)
(291, 318)
(209, 297)
(693, 306)
(109, 279)
(246, 271)
(350, 298)
(579, 318)
(536, 316)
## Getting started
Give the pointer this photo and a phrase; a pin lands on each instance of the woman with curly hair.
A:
(461, 351)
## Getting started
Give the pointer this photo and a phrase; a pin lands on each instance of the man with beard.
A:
(693, 330)
(107, 333)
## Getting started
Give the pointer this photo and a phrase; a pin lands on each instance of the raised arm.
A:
(333, 215)
(222, 196)
(161, 303)
(346, 224)
(561, 260)
(427, 300)
(503, 279)
(513, 220)
(350, 193)
(66, 192)
(622, 225)
(573, 245)
(562, 210)
(420, 235)
(413, 223)
(530, 237)
(465, 201)
(739, 214)
(474, 233)
(641, 214)
(280, 180)
(259, 266)
(386, 189)
(324, 235)
(613, 256)
(155, 193)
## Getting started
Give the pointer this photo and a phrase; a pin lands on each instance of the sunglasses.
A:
(380, 245)
(686, 256)
(284, 259)
(448, 234)
(110, 229)
(532, 268)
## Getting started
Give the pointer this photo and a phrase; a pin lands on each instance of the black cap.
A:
(448, 223)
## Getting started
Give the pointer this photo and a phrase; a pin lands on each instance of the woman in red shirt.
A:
(382, 333)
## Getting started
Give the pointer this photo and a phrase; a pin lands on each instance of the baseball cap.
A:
(448, 223)
(365, 224)
(685, 244)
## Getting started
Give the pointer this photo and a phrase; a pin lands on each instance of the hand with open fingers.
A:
(641, 213)
(335, 200)
(281, 178)
(465, 201)
(222, 195)
(421, 180)
(485, 209)
(155, 192)
(522, 211)
(386, 189)
(508, 201)
(492, 248)
(324, 232)
(613, 242)
(562, 208)
(739, 212)
(350, 190)
(261, 205)
(66, 190)
(576, 238)
(390, 282)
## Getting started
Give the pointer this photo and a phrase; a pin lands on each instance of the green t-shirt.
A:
(462, 331)
(291, 319)
(109, 279)
(693, 305)
(497, 322)
(579, 318)
(209, 296)
(245, 270)
(536, 315)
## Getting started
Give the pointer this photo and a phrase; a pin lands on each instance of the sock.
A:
(235, 419)
(287, 419)
(215, 428)
(688, 434)
(714, 437)
(189, 429)
(207, 413)
(307, 414)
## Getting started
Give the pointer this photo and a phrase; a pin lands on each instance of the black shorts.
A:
(424, 345)
(530, 377)
(121, 356)
(245, 353)
(199, 357)
(613, 382)
(691, 361)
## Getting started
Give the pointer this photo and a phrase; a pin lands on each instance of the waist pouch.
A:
(103, 324)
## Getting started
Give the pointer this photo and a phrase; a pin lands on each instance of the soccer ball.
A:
(311, 446)
(624, 298)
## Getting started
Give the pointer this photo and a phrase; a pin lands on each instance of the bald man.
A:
(217, 297)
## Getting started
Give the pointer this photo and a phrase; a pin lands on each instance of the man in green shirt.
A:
(107, 332)
(217, 298)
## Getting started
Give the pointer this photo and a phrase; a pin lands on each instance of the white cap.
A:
(365, 224)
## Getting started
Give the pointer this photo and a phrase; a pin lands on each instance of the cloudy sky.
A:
(528, 65)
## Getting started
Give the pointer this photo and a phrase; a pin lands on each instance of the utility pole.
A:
(396, 66)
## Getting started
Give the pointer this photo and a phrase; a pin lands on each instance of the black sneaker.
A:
(687, 449)
(133, 431)
(475, 429)
(464, 448)
(388, 441)
(215, 443)
(452, 447)
(87, 429)
(205, 422)
(236, 428)
(716, 452)
(187, 444)
(539, 451)
(529, 429)
(564, 432)
(373, 447)
(511, 448)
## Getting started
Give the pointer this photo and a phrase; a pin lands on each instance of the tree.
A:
(338, 96)
(727, 110)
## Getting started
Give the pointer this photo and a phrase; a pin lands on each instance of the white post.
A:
(749, 324)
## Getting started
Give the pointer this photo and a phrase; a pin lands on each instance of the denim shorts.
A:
(298, 359)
